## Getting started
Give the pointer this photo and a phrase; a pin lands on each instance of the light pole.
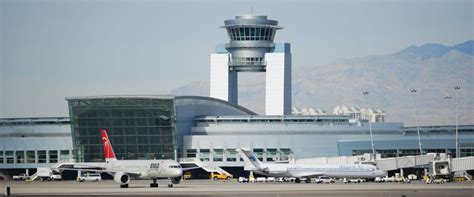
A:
(447, 97)
(456, 89)
(417, 123)
(365, 93)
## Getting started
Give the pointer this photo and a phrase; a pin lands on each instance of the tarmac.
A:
(232, 188)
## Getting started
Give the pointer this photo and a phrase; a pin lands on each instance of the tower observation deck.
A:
(251, 49)
(251, 36)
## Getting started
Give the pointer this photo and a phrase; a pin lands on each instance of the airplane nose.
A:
(178, 172)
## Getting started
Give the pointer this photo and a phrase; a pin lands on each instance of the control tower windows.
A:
(250, 33)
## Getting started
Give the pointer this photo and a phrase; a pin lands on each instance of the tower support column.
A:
(278, 84)
(223, 82)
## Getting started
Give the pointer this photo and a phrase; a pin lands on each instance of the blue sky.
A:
(54, 49)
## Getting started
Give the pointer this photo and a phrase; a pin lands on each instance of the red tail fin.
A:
(108, 150)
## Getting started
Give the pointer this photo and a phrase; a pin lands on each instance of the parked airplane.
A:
(300, 171)
(124, 170)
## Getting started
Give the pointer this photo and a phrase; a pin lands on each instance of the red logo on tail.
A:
(108, 151)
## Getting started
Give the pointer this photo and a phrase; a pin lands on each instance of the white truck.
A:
(90, 177)
(46, 174)
(20, 177)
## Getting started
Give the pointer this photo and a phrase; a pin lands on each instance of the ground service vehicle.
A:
(243, 180)
(324, 179)
(20, 177)
(90, 177)
(216, 176)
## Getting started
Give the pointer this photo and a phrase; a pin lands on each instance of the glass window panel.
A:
(142, 139)
(191, 153)
(247, 33)
(234, 34)
(41, 156)
(20, 156)
(167, 139)
(64, 155)
(53, 156)
(262, 33)
(142, 131)
(229, 33)
(252, 33)
(131, 148)
(116, 140)
(9, 157)
(239, 35)
(131, 139)
(30, 156)
(143, 149)
(155, 140)
(257, 33)
(1, 157)
(156, 148)
(267, 32)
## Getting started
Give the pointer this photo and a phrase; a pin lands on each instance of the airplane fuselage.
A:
(335, 171)
(147, 169)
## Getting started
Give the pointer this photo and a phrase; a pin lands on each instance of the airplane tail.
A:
(108, 150)
(250, 158)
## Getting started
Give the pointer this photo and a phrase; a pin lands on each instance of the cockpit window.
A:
(173, 166)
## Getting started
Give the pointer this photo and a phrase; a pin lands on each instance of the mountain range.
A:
(432, 69)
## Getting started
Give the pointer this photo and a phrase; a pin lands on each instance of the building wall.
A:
(190, 107)
(32, 145)
(306, 140)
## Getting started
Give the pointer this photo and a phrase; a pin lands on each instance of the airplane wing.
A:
(97, 170)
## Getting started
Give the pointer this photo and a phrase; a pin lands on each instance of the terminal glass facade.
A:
(138, 127)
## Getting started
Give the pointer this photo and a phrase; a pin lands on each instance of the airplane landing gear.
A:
(297, 180)
(308, 180)
(124, 186)
(170, 184)
(154, 184)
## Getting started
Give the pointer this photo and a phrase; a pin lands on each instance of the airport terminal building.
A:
(210, 129)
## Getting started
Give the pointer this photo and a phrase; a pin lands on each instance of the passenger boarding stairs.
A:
(463, 174)
(206, 166)
(33, 177)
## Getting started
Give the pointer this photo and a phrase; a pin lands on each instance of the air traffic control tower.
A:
(251, 49)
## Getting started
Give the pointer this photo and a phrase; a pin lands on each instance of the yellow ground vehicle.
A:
(187, 175)
(216, 175)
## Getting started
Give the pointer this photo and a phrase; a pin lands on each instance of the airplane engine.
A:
(121, 178)
(176, 180)
(276, 170)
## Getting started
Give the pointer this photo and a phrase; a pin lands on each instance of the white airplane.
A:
(300, 171)
(124, 170)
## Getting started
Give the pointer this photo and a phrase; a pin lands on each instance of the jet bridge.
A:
(439, 164)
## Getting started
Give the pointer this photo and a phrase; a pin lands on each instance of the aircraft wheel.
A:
(124, 186)
(297, 181)
(153, 184)
(170, 185)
